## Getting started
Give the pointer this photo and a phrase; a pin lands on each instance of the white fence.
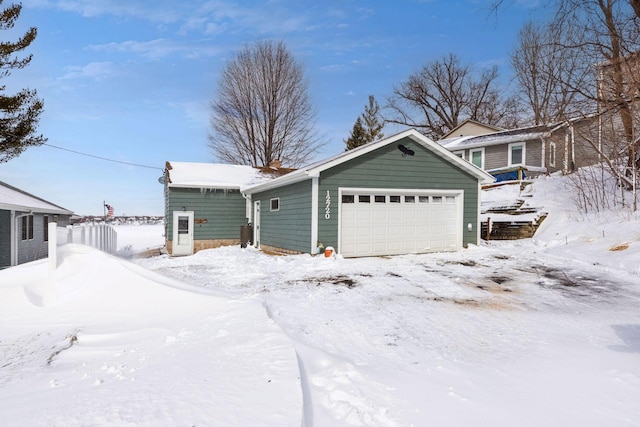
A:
(99, 236)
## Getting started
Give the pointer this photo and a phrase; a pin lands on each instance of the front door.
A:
(182, 233)
(256, 223)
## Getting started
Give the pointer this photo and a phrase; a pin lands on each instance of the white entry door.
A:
(388, 222)
(256, 223)
(182, 233)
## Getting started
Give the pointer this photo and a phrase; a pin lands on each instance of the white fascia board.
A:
(19, 208)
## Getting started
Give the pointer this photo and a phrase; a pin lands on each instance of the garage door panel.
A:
(425, 223)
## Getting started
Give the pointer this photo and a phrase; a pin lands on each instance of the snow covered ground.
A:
(544, 331)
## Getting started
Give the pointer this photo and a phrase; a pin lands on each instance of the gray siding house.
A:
(403, 194)
(534, 150)
(24, 220)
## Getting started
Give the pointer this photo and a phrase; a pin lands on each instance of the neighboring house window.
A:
(459, 154)
(516, 154)
(552, 154)
(27, 227)
(275, 204)
(477, 157)
(46, 228)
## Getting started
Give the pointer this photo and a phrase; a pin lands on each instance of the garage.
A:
(392, 222)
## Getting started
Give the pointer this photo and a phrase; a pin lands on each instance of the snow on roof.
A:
(12, 198)
(466, 142)
(214, 175)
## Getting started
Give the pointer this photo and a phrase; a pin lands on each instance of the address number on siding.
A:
(327, 208)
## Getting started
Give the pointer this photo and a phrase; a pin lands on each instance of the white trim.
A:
(271, 209)
(14, 240)
(552, 154)
(256, 224)
(510, 148)
(479, 219)
(314, 213)
(175, 248)
(477, 150)
(459, 153)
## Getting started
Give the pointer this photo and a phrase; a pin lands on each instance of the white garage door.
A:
(387, 222)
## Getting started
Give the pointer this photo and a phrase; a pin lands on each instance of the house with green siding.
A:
(403, 194)
(24, 225)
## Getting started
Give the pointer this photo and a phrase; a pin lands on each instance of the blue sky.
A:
(132, 80)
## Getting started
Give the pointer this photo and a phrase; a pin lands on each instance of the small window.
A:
(477, 158)
(46, 228)
(459, 154)
(27, 227)
(348, 198)
(380, 199)
(450, 200)
(274, 204)
(552, 154)
(364, 199)
(423, 199)
(394, 199)
(516, 153)
(409, 199)
(437, 199)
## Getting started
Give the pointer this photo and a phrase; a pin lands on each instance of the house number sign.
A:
(327, 208)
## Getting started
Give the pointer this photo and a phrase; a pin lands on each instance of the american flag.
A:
(109, 209)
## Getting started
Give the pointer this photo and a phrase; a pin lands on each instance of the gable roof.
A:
(217, 176)
(12, 198)
(314, 170)
(455, 130)
(498, 138)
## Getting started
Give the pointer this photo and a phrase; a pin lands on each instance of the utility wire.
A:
(103, 158)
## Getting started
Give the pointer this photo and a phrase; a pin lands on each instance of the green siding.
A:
(225, 212)
(290, 227)
(5, 238)
(387, 168)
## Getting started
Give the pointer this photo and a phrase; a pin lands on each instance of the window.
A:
(552, 154)
(450, 200)
(516, 153)
(364, 199)
(477, 157)
(423, 199)
(437, 199)
(46, 228)
(394, 199)
(348, 198)
(409, 199)
(380, 199)
(459, 154)
(274, 204)
(27, 227)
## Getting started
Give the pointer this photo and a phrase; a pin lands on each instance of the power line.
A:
(103, 158)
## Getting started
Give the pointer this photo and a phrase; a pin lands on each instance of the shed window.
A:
(27, 227)
(274, 204)
(364, 199)
(516, 153)
(380, 199)
(348, 198)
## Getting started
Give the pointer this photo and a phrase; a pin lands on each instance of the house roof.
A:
(455, 130)
(12, 198)
(217, 176)
(498, 138)
(314, 170)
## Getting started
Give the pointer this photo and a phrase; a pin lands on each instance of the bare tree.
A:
(262, 112)
(19, 113)
(550, 77)
(438, 97)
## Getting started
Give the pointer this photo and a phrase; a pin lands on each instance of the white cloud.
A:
(158, 48)
(93, 70)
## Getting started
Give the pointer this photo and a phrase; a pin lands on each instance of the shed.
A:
(403, 194)
(24, 224)
(204, 205)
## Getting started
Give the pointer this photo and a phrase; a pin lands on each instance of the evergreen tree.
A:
(358, 136)
(373, 124)
(19, 113)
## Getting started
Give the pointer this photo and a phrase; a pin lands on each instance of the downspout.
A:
(543, 161)
(314, 213)
(573, 150)
(13, 251)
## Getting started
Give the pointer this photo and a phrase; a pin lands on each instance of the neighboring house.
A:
(24, 223)
(403, 194)
(471, 128)
(533, 150)
(204, 206)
